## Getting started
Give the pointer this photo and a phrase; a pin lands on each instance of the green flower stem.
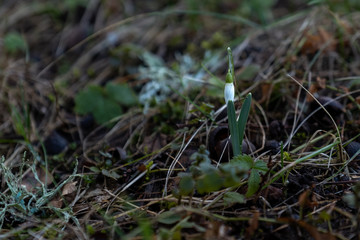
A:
(231, 63)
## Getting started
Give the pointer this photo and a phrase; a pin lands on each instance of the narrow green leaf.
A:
(244, 113)
(18, 122)
(311, 155)
(233, 129)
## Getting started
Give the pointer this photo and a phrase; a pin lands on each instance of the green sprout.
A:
(236, 126)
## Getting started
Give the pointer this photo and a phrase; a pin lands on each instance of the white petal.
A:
(229, 92)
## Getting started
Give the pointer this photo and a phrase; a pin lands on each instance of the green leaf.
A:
(146, 229)
(233, 129)
(207, 167)
(111, 174)
(202, 155)
(261, 166)
(93, 100)
(95, 169)
(86, 99)
(14, 42)
(186, 224)
(233, 197)
(165, 233)
(121, 93)
(236, 170)
(169, 217)
(245, 162)
(253, 183)
(244, 113)
(186, 185)
(105, 110)
(232, 174)
(209, 182)
(18, 122)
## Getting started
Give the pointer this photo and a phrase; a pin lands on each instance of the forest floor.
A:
(114, 124)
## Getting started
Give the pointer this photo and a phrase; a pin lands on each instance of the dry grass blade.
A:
(322, 106)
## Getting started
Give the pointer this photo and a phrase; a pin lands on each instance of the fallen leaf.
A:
(266, 90)
(315, 87)
(30, 182)
(312, 89)
(317, 41)
(141, 168)
(56, 202)
(314, 232)
(321, 82)
(306, 199)
(94, 193)
(69, 188)
(358, 99)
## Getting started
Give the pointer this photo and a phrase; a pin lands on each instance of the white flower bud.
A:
(229, 92)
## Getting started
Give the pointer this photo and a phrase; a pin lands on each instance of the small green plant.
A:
(14, 43)
(237, 127)
(255, 168)
(104, 166)
(237, 130)
(105, 103)
(203, 177)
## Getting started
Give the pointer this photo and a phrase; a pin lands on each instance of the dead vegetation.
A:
(110, 110)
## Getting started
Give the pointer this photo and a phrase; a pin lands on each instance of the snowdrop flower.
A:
(229, 91)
